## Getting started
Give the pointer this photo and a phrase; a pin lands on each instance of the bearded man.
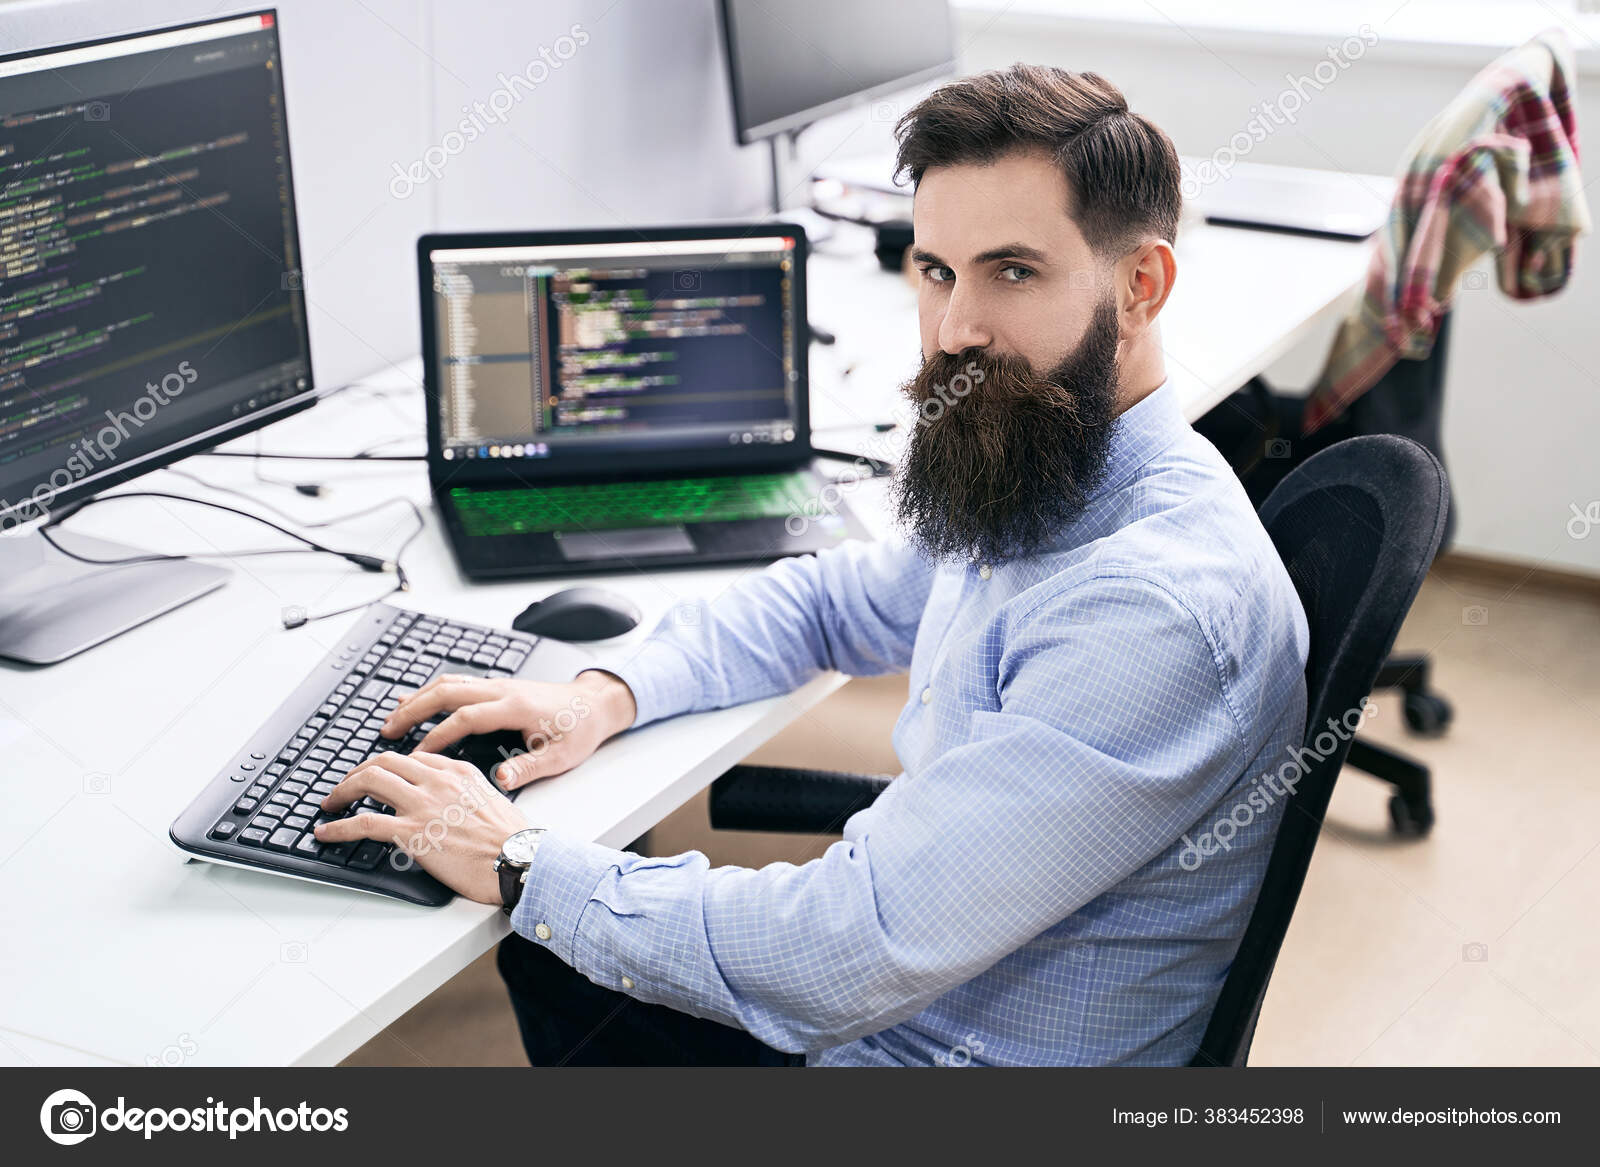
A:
(1105, 656)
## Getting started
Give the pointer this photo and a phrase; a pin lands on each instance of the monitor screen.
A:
(822, 56)
(567, 356)
(150, 297)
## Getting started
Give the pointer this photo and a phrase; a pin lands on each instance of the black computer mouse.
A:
(579, 614)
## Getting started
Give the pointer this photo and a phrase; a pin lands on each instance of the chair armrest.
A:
(776, 798)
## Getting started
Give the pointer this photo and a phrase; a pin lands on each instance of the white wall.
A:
(1523, 380)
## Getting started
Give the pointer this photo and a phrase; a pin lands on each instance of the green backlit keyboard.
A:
(596, 506)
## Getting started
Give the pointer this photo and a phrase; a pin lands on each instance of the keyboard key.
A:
(337, 853)
(511, 660)
(258, 791)
(368, 855)
(245, 805)
(224, 830)
(283, 839)
(294, 788)
(298, 822)
(308, 847)
(253, 836)
(282, 799)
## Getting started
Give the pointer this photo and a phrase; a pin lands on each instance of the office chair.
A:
(1259, 432)
(1357, 526)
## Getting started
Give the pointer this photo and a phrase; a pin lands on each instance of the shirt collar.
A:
(1138, 434)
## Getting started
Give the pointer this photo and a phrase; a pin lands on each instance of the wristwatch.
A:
(516, 856)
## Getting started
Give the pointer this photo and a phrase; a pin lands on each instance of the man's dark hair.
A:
(1121, 167)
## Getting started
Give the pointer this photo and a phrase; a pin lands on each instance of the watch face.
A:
(519, 848)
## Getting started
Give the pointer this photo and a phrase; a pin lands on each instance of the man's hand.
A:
(560, 724)
(447, 817)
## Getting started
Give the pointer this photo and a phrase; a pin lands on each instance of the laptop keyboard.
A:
(607, 505)
(274, 801)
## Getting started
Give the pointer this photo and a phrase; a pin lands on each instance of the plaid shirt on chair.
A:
(1497, 169)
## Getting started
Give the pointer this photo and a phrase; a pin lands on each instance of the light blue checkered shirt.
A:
(1063, 872)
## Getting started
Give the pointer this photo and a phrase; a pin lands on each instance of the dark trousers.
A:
(568, 1020)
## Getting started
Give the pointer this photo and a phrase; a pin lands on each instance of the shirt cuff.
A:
(557, 890)
(661, 680)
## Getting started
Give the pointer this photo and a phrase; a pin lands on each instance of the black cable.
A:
(279, 511)
(314, 457)
(371, 563)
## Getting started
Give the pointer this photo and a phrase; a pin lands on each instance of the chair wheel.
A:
(1411, 821)
(1428, 714)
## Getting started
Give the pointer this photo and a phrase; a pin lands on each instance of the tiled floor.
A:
(1475, 946)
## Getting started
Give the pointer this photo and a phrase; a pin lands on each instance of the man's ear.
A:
(1144, 279)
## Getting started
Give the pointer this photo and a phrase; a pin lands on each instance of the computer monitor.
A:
(823, 56)
(150, 298)
(573, 354)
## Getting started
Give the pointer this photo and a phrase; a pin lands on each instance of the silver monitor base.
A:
(53, 607)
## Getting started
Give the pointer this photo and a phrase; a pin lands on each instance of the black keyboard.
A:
(260, 810)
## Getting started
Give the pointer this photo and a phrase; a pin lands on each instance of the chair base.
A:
(1411, 807)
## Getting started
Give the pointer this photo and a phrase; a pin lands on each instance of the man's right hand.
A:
(560, 724)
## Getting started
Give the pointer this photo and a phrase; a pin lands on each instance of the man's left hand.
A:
(447, 816)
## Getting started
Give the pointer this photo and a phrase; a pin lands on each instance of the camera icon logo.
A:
(685, 281)
(97, 111)
(1475, 952)
(294, 281)
(292, 952)
(885, 111)
(97, 783)
(67, 1117)
(1278, 448)
(1474, 281)
(1475, 615)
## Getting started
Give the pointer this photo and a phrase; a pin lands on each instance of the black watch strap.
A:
(510, 885)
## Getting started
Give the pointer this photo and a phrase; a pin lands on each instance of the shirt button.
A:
(627, 982)
(985, 571)
(542, 931)
(927, 696)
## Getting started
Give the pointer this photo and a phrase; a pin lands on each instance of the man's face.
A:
(1017, 391)
(1003, 266)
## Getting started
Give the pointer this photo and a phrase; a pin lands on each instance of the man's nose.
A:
(962, 327)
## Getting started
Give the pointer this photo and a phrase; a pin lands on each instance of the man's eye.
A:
(1016, 273)
(938, 273)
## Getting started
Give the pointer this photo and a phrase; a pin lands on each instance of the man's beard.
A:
(1001, 459)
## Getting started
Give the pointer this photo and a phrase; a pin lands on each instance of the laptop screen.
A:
(576, 356)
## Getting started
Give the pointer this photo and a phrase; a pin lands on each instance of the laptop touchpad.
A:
(625, 543)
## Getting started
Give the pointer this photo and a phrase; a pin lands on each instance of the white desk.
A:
(116, 950)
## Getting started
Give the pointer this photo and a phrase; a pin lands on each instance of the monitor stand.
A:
(53, 607)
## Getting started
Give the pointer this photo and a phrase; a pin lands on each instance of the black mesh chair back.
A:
(1356, 526)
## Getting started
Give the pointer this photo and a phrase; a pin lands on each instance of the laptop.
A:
(621, 399)
(1324, 203)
